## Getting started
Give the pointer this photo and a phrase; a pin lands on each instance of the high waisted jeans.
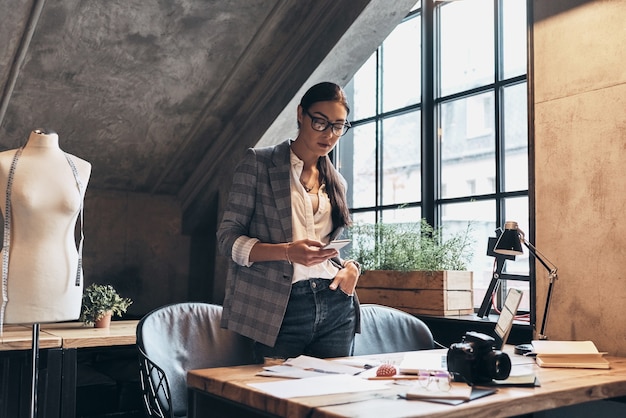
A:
(319, 322)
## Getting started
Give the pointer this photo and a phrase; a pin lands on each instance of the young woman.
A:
(284, 290)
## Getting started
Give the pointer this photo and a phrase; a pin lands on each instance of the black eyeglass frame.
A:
(319, 120)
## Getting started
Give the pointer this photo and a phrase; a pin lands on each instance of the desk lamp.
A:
(510, 243)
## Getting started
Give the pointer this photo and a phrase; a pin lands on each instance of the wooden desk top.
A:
(69, 335)
(79, 335)
(559, 387)
(19, 337)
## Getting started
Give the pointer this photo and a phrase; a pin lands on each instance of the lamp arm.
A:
(540, 257)
(552, 277)
(544, 320)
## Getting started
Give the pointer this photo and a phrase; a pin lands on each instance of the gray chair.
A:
(176, 338)
(389, 330)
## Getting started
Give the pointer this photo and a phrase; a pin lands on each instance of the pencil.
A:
(399, 377)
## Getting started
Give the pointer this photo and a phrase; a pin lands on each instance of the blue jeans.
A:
(319, 322)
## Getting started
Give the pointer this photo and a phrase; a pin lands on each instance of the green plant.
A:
(98, 299)
(409, 246)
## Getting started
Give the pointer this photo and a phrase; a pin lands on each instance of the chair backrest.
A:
(155, 390)
(388, 330)
(185, 336)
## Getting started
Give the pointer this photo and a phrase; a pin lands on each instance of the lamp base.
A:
(524, 349)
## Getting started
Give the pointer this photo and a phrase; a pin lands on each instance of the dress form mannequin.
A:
(45, 205)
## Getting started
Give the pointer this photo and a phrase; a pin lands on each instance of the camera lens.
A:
(499, 365)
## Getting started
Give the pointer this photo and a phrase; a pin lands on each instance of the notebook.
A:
(577, 354)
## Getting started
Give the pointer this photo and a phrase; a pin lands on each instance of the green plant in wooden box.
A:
(414, 267)
(101, 300)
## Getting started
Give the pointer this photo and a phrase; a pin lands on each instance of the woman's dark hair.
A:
(324, 92)
(335, 188)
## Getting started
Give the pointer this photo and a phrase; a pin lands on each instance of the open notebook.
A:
(413, 362)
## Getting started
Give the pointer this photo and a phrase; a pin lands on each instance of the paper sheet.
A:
(327, 384)
(288, 372)
(413, 362)
(321, 365)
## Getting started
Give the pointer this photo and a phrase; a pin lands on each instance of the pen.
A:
(399, 377)
(321, 371)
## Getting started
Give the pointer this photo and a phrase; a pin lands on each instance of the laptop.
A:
(507, 316)
(415, 361)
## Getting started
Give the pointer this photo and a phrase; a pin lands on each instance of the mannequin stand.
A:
(35, 371)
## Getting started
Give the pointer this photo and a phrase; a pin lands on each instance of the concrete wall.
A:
(134, 242)
(580, 181)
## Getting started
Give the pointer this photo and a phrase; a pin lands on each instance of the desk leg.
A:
(68, 385)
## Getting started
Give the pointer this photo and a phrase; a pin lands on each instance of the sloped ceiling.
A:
(154, 92)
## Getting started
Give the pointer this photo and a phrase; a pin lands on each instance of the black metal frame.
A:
(155, 388)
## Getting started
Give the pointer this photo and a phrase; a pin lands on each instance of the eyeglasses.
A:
(435, 381)
(321, 124)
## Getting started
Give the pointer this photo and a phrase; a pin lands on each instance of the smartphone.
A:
(336, 244)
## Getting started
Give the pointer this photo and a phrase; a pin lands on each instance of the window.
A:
(440, 127)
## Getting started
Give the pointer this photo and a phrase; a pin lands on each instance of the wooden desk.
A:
(559, 387)
(68, 335)
(61, 341)
(19, 337)
(78, 335)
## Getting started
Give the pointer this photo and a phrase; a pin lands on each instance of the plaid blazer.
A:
(259, 205)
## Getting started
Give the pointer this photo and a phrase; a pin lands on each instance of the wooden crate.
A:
(419, 292)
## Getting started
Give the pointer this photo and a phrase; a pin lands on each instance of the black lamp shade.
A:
(509, 242)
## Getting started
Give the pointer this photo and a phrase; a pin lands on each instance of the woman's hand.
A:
(309, 252)
(346, 279)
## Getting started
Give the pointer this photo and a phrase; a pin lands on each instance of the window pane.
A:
(401, 159)
(467, 146)
(401, 66)
(364, 218)
(357, 163)
(404, 215)
(515, 134)
(514, 42)
(467, 55)
(481, 215)
(516, 209)
(362, 89)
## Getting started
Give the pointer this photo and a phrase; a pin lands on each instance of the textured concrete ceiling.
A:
(154, 92)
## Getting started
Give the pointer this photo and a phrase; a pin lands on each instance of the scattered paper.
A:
(460, 391)
(321, 366)
(326, 384)
(287, 372)
(302, 367)
(415, 361)
(360, 362)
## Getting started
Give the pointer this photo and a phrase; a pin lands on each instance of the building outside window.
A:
(440, 127)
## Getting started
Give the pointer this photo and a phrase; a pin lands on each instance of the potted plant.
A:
(414, 267)
(100, 303)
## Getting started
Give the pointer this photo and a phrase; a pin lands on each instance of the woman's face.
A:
(320, 114)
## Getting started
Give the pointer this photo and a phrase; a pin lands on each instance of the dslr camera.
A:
(475, 359)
